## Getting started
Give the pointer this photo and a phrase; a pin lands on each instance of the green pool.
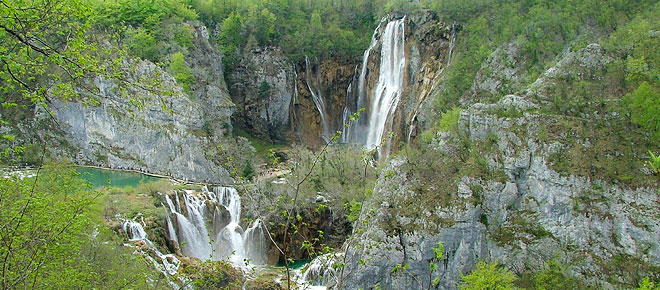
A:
(102, 177)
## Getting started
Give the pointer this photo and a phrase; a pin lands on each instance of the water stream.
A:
(388, 90)
(314, 80)
(382, 101)
(207, 226)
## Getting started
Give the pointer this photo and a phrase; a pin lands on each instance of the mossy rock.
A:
(265, 281)
(212, 274)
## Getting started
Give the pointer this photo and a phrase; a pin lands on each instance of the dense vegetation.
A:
(47, 238)
(54, 236)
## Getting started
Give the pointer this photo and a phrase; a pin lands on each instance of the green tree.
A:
(232, 38)
(644, 105)
(184, 36)
(553, 277)
(655, 163)
(181, 72)
(488, 276)
(42, 219)
(141, 43)
(265, 27)
(49, 239)
(647, 284)
(264, 89)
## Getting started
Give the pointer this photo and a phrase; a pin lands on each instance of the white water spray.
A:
(390, 81)
(318, 98)
(167, 264)
(209, 227)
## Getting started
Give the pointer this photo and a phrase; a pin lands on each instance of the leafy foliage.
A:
(181, 72)
(47, 239)
(553, 276)
(489, 276)
(449, 119)
(645, 108)
(647, 284)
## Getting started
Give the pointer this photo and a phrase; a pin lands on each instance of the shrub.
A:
(644, 105)
(449, 120)
(490, 276)
(181, 72)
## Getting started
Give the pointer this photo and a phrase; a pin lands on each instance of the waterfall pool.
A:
(104, 177)
(295, 265)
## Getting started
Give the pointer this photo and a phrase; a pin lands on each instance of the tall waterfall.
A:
(390, 81)
(311, 79)
(384, 99)
(206, 226)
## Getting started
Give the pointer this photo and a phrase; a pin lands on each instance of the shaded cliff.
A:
(171, 135)
(327, 91)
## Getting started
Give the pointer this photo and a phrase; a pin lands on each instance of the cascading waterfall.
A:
(319, 272)
(353, 132)
(382, 102)
(390, 81)
(411, 128)
(167, 264)
(452, 43)
(295, 122)
(318, 98)
(207, 227)
(346, 117)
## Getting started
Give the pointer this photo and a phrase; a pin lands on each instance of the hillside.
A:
(384, 144)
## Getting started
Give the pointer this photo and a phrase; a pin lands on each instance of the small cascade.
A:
(295, 121)
(317, 97)
(255, 236)
(134, 230)
(411, 128)
(319, 272)
(388, 90)
(348, 125)
(167, 264)
(208, 227)
(452, 44)
(346, 119)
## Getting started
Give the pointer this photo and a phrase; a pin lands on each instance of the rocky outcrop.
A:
(503, 72)
(528, 217)
(430, 42)
(495, 191)
(209, 90)
(274, 98)
(263, 86)
(330, 78)
(166, 133)
(265, 112)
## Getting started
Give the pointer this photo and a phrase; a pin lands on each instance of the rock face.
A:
(170, 135)
(426, 45)
(516, 208)
(263, 85)
(287, 112)
(522, 221)
(274, 95)
(330, 79)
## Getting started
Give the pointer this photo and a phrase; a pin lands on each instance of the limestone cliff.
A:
(309, 101)
(263, 85)
(516, 183)
(170, 135)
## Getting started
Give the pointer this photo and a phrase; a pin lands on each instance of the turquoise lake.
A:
(103, 177)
